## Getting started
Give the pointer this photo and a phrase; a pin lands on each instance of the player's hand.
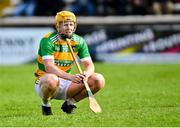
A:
(85, 75)
(78, 78)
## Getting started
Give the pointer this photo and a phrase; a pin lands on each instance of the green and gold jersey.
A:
(51, 47)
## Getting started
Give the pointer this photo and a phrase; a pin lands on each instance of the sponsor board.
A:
(143, 44)
(152, 43)
(20, 45)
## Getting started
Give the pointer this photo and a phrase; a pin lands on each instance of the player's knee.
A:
(100, 81)
(51, 81)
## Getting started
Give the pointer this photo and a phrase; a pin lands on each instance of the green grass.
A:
(135, 95)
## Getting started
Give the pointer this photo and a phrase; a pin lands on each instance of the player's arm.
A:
(51, 68)
(88, 67)
(86, 60)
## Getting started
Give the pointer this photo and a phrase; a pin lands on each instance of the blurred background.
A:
(117, 31)
(88, 7)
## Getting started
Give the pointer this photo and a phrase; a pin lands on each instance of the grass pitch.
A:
(135, 95)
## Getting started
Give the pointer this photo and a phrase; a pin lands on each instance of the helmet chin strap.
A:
(64, 36)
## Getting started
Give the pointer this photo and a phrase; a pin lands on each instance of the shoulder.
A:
(78, 39)
(50, 37)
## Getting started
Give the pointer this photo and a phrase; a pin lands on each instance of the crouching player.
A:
(53, 78)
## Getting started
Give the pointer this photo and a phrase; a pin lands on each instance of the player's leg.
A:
(61, 93)
(95, 82)
(68, 106)
(77, 92)
(46, 87)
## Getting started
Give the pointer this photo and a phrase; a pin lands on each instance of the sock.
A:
(70, 101)
(47, 104)
(74, 100)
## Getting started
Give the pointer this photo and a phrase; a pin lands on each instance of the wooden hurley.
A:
(93, 104)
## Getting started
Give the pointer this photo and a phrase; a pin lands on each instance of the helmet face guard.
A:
(62, 17)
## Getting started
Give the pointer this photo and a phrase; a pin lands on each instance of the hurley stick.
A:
(93, 104)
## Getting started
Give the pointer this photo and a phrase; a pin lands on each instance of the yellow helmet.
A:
(65, 16)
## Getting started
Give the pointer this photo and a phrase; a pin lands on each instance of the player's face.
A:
(68, 28)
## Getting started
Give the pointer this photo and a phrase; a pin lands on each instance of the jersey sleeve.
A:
(83, 51)
(46, 47)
